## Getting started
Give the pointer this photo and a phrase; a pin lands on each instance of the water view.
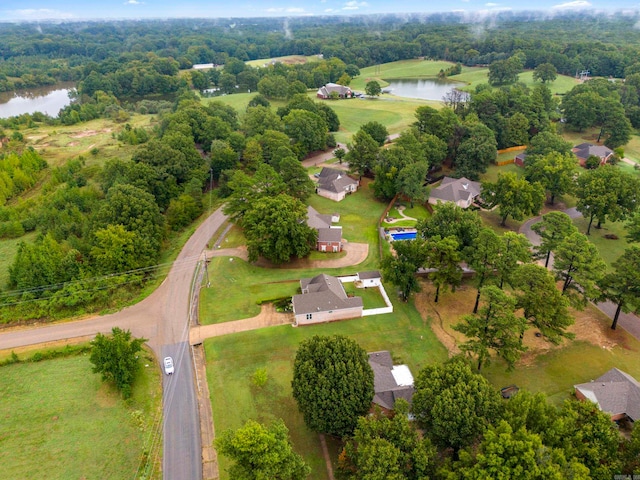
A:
(424, 88)
(47, 100)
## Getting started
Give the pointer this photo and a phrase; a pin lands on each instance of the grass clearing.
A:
(414, 68)
(474, 76)
(61, 421)
(371, 297)
(552, 370)
(232, 359)
(610, 250)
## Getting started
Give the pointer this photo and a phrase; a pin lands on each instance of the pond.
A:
(424, 88)
(48, 100)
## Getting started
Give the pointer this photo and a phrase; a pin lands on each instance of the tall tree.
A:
(296, 178)
(115, 357)
(372, 88)
(377, 131)
(553, 229)
(622, 286)
(262, 452)
(482, 257)
(555, 172)
(332, 383)
(454, 405)
(401, 269)
(547, 142)
(607, 193)
(307, 130)
(578, 263)
(542, 303)
(495, 328)
(515, 196)
(276, 228)
(515, 249)
(443, 257)
(411, 182)
(362, 154)
(476, 152)
(633, 228)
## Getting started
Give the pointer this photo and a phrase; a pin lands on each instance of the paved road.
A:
(163, 318)
(628, 321)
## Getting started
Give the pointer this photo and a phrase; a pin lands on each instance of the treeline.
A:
(43, 54)
(100, 232)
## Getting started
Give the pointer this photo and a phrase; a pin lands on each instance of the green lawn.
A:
(238, 101)
(232, 359)
(610, 250)
(371, 297)
(61, 421)
(474, 76)
(556, 372)
(401, 69)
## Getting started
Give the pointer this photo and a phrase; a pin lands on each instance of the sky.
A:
(14, 10)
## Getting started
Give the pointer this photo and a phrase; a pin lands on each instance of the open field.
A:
(232, 359)
(61, 421)
(474, 76)
(287, 59)
(610, 250)
(401, 69)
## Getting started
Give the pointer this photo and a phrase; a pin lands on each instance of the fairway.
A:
(61, 421)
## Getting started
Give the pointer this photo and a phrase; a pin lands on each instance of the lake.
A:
(47, 100)
(424, 88)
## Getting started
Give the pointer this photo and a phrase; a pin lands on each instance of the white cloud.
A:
(574, 4)
(133, 2)
(353, 5)
(491, 4)
(40, 14)
(295, 10)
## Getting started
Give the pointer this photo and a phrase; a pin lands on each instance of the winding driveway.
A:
(628, 321)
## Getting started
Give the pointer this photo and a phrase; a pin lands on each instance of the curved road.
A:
(628, 321)
(162, 318)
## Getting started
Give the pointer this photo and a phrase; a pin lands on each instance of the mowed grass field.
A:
(60, 421)
(232, 359)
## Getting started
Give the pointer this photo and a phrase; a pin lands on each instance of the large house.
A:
(460, 191)
(329, 236)
(335, 184)
(616, 393)
(323, 299)
(341, 90)
(586, 150)
(390, 381)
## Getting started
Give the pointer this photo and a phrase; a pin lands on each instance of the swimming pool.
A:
(404, 235)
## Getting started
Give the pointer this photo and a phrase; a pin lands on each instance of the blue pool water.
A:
(404, 235)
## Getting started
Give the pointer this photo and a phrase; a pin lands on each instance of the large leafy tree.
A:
(449, 219)
(307, 130)
(372, 88)
(542, 303)
(362, 154)
(553, 229)
(276, 228)
(622, 286)
(411, 180)
(508, 453)
(476, 152)
(261, 451)
(607, 193)
(495, 328)
(555, 172)
(296, 178)
(545, 72)
(377, 131)
(633, 228)
(400, 269)
(454, 405)
(387, 448)
(482, 257)
(547, 142)
(332, 383)
(441, 123)
(578, 264)
(115, 357)
(515, 196)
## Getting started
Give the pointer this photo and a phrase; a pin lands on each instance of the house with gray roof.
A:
(460, 191)
(335, 184)
(616, 393)
(390, 381)
(341, 91)
(329, 235)
(586, 150)
(324, 299)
